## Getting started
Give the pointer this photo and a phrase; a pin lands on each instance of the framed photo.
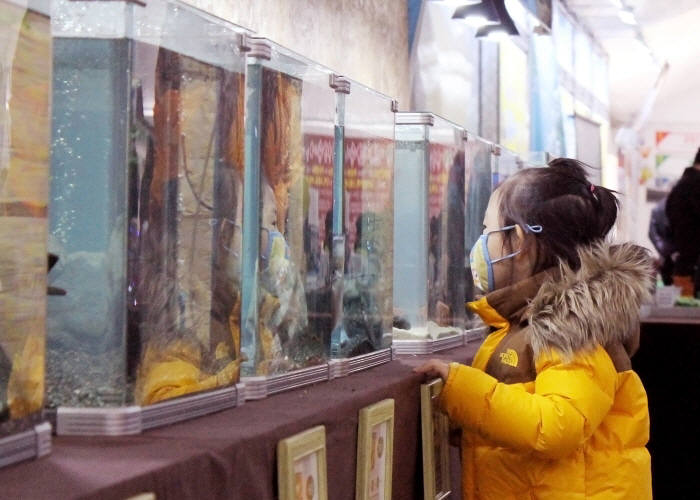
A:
(375, 451)
(301, 466)
(435, 433)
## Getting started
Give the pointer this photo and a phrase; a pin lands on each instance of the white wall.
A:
(445, 66)
(366, 40)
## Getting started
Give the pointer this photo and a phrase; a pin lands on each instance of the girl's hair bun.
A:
(561, 199)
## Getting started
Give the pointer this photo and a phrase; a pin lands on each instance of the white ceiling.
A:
(671, 29)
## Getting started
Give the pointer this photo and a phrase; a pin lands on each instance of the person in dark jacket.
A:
(661, 238)
(683, 211)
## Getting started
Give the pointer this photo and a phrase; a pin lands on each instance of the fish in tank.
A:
(287, 280)
(429, 227)
(146, 197)
(25, 69)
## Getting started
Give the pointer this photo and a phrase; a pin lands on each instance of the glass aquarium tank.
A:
(146, 215)
(507, 163)
(317, 242)
(25, 87)
(287, 313)
(363, 234)
(481, 158)
(429, 216)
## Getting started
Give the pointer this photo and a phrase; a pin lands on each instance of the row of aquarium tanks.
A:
(191, 216)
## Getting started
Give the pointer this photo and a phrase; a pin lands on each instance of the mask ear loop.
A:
(509, 256)
(537, 229)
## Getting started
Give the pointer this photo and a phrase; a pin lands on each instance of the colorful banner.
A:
(441, 160)
(667, 153)
(678, 142)
(368, 178)
(318, 170)
(660, 159)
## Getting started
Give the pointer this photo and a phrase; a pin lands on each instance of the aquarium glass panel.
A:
(288, 316)
(146, 215)
(446, 208)
(411, 231)
(507, 163)
(538, 159)
(429, 228)
(368, 213)
(25, 72)
(479, 160)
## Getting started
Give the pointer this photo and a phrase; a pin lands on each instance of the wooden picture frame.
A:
(435, 433)
(375, 451)
(301, 466)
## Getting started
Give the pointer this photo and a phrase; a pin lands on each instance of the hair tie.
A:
(594, 194)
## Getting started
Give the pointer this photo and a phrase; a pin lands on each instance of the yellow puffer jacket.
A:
(550, 408)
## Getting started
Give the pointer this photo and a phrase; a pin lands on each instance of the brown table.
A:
(232, 454)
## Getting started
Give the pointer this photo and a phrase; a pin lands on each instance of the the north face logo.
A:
(510, 357)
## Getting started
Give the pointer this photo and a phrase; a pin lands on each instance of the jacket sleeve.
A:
(569, 402)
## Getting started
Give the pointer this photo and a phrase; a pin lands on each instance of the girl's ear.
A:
(519, 242)
(527, 256)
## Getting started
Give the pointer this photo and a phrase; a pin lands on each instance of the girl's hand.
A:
(434, 368)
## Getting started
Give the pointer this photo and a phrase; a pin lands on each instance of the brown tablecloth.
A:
(232, 454)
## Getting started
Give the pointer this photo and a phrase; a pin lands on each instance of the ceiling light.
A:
(482, 14)
(506, 27)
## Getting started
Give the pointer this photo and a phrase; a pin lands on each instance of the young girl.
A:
(550, 408)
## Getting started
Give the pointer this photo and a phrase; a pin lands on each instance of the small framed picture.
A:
(301, 466)
(375, 451)
(435, 434)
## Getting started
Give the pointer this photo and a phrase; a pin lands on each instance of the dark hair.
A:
(572, 211)
(697, 158)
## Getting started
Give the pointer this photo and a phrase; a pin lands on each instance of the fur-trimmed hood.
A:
(596, 305)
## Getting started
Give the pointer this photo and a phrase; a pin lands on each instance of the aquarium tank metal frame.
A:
(188, 79)
(430, 188)
(25, 68)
